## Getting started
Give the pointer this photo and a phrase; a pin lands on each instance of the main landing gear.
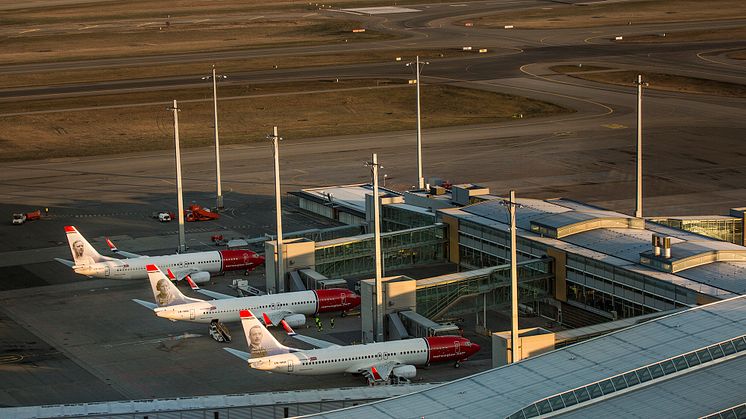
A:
(219, 331)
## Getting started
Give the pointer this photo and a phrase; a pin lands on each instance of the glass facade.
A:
(534, 280)
(401, 249)
(394, 218)
(726, 229)
(590, 282)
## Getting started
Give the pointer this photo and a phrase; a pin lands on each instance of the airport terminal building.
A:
(604, 262)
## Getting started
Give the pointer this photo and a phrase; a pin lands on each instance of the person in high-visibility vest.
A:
(318, 324)
(331, 322)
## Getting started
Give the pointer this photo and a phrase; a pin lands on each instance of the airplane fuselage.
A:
(227, 310)
(356, 358)
(135, 268)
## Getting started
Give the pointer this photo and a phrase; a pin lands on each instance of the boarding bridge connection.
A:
(466, 292)
(354, 256)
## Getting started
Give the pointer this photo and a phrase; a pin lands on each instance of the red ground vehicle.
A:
(29, 216)
(197, 213)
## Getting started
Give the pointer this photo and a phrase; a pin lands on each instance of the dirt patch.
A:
(659, 81)
(608, 14)
(301, 110)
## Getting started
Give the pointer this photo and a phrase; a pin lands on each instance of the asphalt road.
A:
(88, 332)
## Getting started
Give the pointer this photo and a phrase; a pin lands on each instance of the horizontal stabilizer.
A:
(151, 306)
(214, 295)
(114, 249)
(65, 262)
(307, 339)
(241, 354)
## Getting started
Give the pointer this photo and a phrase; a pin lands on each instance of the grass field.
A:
(140, 121)
(737, 55)
(688, 36)
(657, 81)
(129, 39)
(46, 78)
(609, 14)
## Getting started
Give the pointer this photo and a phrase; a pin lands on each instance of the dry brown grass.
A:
(688, 36)
(608, 14)
(666, 82)
(127, 39)
(737, 55)
(299, 114)
(198, 70)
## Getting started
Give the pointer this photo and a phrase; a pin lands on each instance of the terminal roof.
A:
(599, 234)
(696, 390)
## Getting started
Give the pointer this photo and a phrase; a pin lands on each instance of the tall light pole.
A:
(638, 207)
(418, 69)
(214, 78)
(514, 356)
(179, 191)
(377, 238)
(278, 203)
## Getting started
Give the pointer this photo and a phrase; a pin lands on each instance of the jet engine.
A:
(296, 320)
(404, 371)
(200, 277)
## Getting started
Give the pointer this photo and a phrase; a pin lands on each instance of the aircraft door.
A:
(290, 365)
(344, 299)
(107, 271)
(458, 347)
(191, 314)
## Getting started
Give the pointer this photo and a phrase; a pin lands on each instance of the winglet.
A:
(190, 282)
(287, 328)
(267, 320)
(170, 275)
(111, 245)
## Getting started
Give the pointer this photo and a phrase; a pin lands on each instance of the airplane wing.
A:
(241, 354)
(114, 249)
(379, 371)
(307, 339)
(177, 275)
(65, 262)
(149, 305)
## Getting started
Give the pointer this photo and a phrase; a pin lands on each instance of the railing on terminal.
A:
(436, 295)
(639, 376)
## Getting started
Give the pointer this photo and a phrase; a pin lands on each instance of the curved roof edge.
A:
(559, 232)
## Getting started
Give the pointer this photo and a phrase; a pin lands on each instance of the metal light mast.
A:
(418, 69)
(638, 207)
(179, 192)
(377, 238)
(214, 78)
(514, 357)
(278, 203)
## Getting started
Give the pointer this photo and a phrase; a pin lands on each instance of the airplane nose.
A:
(474, 348)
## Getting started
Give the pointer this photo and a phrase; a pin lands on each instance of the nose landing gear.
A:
(219, 331)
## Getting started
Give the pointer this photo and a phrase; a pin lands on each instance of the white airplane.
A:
(291, 307)
(378, 362)
(87, 261)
